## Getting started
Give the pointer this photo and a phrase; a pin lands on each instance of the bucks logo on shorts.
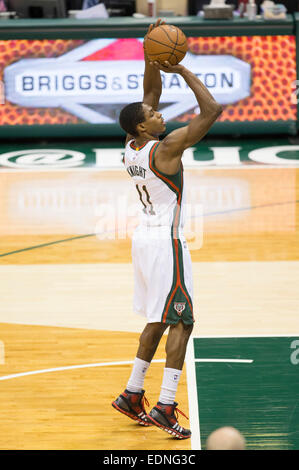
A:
(179, 307)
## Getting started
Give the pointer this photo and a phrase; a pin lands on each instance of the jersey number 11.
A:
(148, 206)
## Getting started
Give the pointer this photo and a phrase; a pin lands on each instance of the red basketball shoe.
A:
(132, 405)
(165, 417)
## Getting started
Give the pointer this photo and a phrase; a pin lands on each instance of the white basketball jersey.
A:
(161, 196)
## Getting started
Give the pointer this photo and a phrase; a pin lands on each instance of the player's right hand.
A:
(159, 22)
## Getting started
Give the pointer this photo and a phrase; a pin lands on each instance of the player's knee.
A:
(184, 330)
(188, 330)
(151, 335)
(178, 337)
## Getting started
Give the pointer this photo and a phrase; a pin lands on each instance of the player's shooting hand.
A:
(152, 26)
(159, 22)
(167, 67)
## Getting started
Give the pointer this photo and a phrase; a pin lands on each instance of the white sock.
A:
(136, 381)
(169, 386)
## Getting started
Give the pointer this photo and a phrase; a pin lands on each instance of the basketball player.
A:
(162, 264)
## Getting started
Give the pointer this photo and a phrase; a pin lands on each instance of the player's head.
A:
(139, 119)
(226, 438)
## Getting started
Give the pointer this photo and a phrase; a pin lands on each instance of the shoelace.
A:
(144, 400)
(177, 411)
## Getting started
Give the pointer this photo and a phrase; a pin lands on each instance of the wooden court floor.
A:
(68, 335)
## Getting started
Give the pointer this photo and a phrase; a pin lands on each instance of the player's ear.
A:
(140, 128)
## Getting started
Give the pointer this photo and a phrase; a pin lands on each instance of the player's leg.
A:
(131, 401)
(148, 343)
(176, 345)
(149, 340)
(164, 413)
(178, 312)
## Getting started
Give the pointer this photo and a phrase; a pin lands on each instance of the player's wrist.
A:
(180, 69)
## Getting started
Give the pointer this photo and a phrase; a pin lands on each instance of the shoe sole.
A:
(171, 431)
(135, 418)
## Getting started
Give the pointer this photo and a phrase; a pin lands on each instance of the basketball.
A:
(166, 43)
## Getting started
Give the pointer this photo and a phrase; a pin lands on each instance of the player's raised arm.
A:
(152, 83)
(169, 152)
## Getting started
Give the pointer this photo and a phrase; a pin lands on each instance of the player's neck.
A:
(141, 140)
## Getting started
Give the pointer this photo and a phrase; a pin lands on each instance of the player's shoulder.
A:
(129, 139)
(128, 144)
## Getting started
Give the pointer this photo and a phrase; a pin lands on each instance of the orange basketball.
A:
(166, 42)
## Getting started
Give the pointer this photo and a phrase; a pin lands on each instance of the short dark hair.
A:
(130, 116)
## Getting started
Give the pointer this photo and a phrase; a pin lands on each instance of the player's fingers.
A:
(155, 64)
(159, 66)
(162, 67)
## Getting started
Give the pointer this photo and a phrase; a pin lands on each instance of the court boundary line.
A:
(193, 397)
(241, 361)
(248, 336)
(106, 364)
(80, 366)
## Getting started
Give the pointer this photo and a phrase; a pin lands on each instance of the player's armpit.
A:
(170, 150)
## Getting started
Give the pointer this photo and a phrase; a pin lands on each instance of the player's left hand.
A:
(167, 67)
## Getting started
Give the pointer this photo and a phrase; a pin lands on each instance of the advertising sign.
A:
(75, 82)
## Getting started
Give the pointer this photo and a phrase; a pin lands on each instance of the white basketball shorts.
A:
(163, 282)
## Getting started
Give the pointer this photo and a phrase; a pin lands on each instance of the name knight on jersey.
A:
(135, 170)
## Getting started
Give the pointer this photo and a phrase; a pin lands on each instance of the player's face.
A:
(154, 121)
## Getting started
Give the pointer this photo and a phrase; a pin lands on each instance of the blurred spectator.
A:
(89, 4)
(226, 438)
(2, 6)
